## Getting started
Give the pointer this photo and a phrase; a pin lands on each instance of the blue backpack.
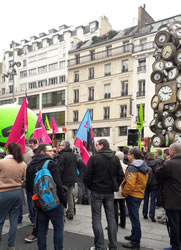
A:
(45, 189)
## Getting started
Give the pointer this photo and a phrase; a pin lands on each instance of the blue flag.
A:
(84, 127)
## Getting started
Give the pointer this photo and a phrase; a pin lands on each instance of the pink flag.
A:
(53, 125)
(20, 125)
(85, 154)
(40, 132)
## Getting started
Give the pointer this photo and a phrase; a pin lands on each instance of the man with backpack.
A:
(44, 152)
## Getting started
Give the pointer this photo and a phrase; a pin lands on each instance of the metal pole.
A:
(13, 75)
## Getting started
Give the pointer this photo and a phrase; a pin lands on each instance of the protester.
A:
(170, 176)
(133, 187)
(12, 178)
(44, 152)
(102, 168)
(119, 200)
(158, 156)
(32, 143)
(67, 165)
(152, 188)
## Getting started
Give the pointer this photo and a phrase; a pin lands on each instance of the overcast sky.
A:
(20, 19)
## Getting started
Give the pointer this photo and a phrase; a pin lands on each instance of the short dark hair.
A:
(66, 144)
(32, 139)
(149, 156)
(126, 150)
(40, 148)
(15, 150)
(136, 153)
(104, 142)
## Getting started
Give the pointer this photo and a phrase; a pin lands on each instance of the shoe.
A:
(152, 218)
(70, 217)
(162, 221)
(106, 228)
(128, 237)
(30, 238)
(11, 248)
(168, 248)
(130, 246)
(122, 226)
(145, 217)
(92, 248)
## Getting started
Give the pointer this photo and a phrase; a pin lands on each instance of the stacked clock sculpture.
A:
(166, 76)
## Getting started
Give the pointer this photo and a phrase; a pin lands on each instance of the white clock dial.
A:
(178, 138)
(168, 121)
(178, 57)
(156, 141)
(162, 38)
(159, 65)
(172, 74)
(170, 129)
(169, 65)
(165, 113)
(178, 113)
(165, 93)
(178, 32)
(179, 94)
(159, 125)
(178, 80)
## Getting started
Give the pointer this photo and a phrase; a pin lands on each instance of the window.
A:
(32, 85)
(33, 101)
(125, 66)
(76, 95)
(23, 73)
(124, 88)
(62, 79)
(107, 91)
(126, 46)
(91, 73)
(107, 69)
(32, 59)
(123, 111)
(23, 87)
(92, 55)
(7, 101)
(109, 50)
(59, 117)
(53, 81)
(53, 66)
(76, 76)
(99, 132)
(42, 69)
(77, 58)
(123, 131)
(91, 94)
(141, 65)
(91, 114)
(106, 113)
(75, 116)
(141, 88)
(3, 91)
(138, 107)
(42, 83)
(32, 72)
(52, 99)
(24, 63)
(10, 89)
(42, 56)
(62, 64)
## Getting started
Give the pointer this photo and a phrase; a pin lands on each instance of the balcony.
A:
(123, 115)
(143, 47)
(141, 69)
(140, 93)
(102, 55)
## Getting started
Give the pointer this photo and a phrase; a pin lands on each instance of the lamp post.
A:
(12, 71)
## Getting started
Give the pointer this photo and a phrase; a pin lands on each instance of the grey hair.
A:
(66, 144)
(176, 147)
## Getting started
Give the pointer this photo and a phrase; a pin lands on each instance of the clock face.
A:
(155, 101)
(172, 74)
(179, 95)
(178, 81)
(170, 129)
(159, 65)
(168, 121)
(169, 65)
(165, 93)
(178, 124)
(165, 113)
(178, 57)
(172, 107)
(168, 51)
(156, 76)
(178, 32)
(178, 113)
(159, 125)
(157, 141)
(178, 138)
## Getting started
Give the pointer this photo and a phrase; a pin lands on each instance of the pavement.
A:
(79, 234)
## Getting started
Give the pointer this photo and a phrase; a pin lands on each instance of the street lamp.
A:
(12, 71)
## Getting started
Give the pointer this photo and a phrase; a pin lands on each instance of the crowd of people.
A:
(118, 181)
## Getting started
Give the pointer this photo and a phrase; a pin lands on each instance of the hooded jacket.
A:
(98, 177)
(135, 180)
(35, 165)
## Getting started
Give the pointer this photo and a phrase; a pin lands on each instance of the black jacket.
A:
(97, 176)
(67, 165)
(170, 176)
(153, 183)
(35, 165)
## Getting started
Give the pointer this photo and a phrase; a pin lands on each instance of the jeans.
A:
(133, 205)
(70, 202)
(107, 200)
(174, 225)
(119, 205)
(56, 216)
(10, 202)
(30, 207)
(154, 194)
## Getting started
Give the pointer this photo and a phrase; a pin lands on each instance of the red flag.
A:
(40, 132)
(20, 125)
(53, 126)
